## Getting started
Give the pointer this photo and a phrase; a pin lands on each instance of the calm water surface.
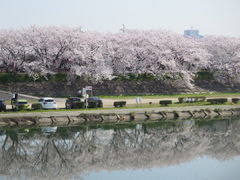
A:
(199, 150)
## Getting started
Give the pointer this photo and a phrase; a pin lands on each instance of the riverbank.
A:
(119, 115)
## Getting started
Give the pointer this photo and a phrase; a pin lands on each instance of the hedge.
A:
(119, 103)
(235, 100)
(217, 100)
(165, 102)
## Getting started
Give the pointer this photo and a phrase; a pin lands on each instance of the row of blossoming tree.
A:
(47, 50)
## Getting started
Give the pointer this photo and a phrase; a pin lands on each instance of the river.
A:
(174, 150)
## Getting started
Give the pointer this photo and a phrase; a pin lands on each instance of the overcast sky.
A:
(219, 17)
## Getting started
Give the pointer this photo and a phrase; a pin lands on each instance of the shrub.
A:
(60, 77)
(165, 102)
(217, 101)
(14, 77)
(119, 103)
(135, 77)
(23, 77)
(36, 106)
(204, 75)
(235, 100)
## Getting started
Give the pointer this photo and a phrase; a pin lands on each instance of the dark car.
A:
(94, 102)
(2, 105)
(74, 102)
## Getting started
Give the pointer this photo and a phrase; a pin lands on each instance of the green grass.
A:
(51, 110)
(23, 77)
(173, 95)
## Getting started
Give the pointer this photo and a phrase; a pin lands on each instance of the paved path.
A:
(117, 111)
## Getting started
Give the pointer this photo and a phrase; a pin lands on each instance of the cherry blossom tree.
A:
(98, 56)
(225, 58)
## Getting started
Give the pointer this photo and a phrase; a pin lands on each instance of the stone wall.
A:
(104, 88)
(117, 87)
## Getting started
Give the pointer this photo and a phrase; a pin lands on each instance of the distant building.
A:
(192, 33)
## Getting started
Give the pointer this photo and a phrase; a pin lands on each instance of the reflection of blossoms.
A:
(99, 56)
(72, 151)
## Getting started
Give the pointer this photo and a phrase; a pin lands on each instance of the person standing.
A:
(14, 97)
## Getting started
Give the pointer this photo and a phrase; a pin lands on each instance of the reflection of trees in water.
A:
(13, 151)
(51, 157)
(39, 155)
(77, 151)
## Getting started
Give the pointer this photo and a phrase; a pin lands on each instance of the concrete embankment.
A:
(119, 115)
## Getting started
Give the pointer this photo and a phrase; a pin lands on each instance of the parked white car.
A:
(48, 103)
